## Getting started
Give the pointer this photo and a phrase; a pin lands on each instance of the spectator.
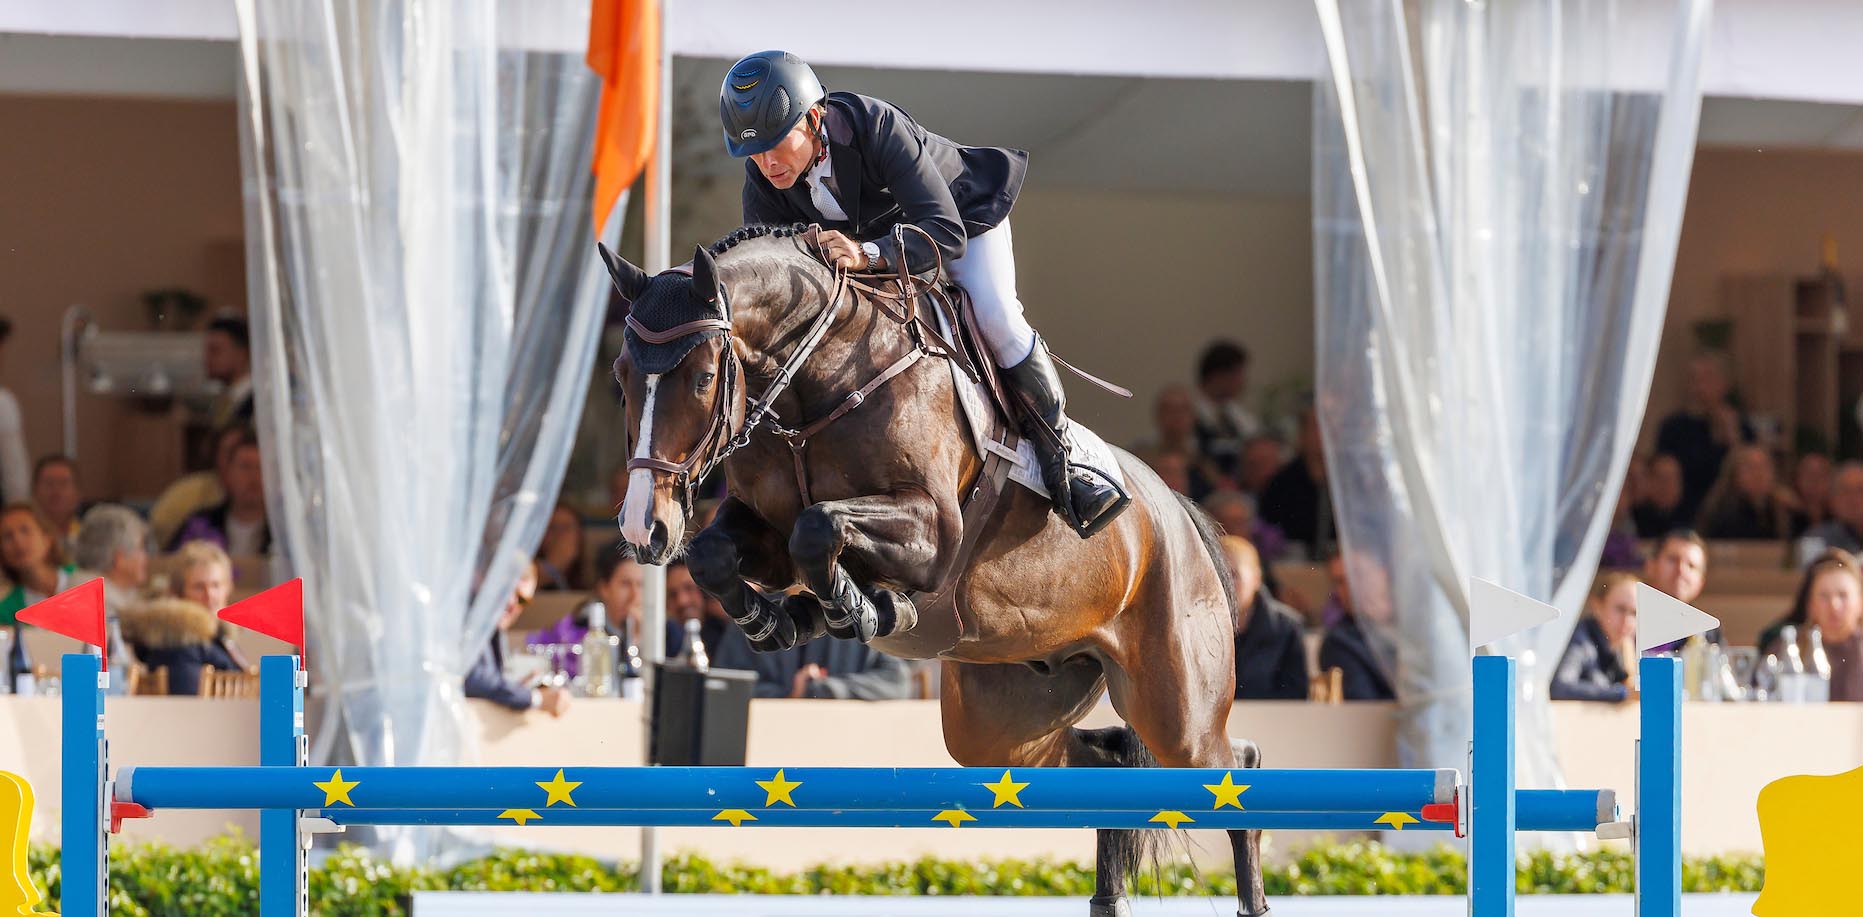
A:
(1296, 500)
(179, 635)
(1678, 567)
(486, 679)
(195, 491)
(228, 361)
(113, 543)
(1271, 655)
(1173, 468)
(1364, 657)
(1701, 433)
(1593, 667)
(1262, 458)
(1811, 483)
(15, 466)
(617, 588)
(684, 601)
(1844, 530)
(204, 575)
(31, 558)
(1830, 598)
(1234, 513)
(1621, 550)
(823, 669)
(1222, 422)
(560, 564)
(238, 524)
(1747, 501)
(55, 494)
(1659, 502)
(1174, 421)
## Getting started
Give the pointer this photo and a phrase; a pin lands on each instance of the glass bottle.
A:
(598, 656)
(694, 654)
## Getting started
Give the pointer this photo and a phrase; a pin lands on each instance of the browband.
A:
(677, 331)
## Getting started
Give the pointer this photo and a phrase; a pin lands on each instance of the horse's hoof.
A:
(861, 623)
(768, 625)
(1109, 907)
(896, 613)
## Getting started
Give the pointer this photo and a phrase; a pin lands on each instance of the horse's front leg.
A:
(894, 539)
(739, 544)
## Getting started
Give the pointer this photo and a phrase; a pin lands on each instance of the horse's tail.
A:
(1124, 853)
(1206, 531)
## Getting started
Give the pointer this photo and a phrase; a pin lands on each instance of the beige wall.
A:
(1753, 211)
(101, 199)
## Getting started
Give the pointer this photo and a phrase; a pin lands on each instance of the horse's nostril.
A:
(656, 543)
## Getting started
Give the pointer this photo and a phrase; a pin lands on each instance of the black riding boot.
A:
(1086, 501)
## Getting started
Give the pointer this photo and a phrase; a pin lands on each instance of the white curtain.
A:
(1498, 191)
(425, 309)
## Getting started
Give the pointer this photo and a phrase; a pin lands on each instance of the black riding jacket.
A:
(906, 174)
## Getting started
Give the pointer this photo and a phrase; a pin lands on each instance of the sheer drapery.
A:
(1496, 208)
(425, 310)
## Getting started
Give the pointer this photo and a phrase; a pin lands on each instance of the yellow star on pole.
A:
(559, 789)
(1228, 792)
(520, 815)
(1006, 790)
(1397, 820)
(954, 817)
(336, 789)
(777, 790)
(737, 817)
(1172, 819)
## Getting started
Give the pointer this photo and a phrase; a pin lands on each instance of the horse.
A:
(847, 471)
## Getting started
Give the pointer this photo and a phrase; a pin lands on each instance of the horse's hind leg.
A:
(737, 544)
(894, 538)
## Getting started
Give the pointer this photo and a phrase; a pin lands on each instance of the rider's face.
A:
(784, 163)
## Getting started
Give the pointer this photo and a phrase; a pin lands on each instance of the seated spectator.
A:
(1222, 422)
(1621, 550)
(1271, 656)
(1844, 530)
(1747, 501)
(560, 564)
(1701, 433)
(15, 467)
(486, 678)
(1365, 657)
(1234, 513)
(31, 559)
(1173, 468)
(1296, 500)
(178, 635)
(1262, 458)
(1830, 598)
(55, 493)
(227, 358)
(1678, 567)
(238, 524)
(822, 669)
(1659, 502)
(617, 588)
(1174, 430)
(195, 492)
(1593, 667)
(204, 575)
(684, 601)
(1811, 483)
(113, 542)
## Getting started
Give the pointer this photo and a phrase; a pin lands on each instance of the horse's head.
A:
(683, 391)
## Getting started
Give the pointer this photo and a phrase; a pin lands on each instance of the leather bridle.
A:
(720, 441)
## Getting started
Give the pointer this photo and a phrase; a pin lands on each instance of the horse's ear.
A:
(704, 277)
(629, 280)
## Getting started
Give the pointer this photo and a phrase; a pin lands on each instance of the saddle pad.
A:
(1085, 447)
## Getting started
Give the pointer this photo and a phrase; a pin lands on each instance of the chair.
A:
(146, 682)
(228, 685)
(1327, 687)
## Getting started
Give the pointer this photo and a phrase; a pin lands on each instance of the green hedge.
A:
(222, 878)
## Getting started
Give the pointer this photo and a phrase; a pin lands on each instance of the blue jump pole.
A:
(283, 865)
(1492, 815)
(1227, 819)
(1659, 788)
(1046, 789)
(85, 861)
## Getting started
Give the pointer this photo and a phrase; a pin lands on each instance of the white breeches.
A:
(988, 272)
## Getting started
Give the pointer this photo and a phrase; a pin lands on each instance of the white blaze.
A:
(637, 507)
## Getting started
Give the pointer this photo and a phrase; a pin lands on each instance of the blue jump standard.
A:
(285, 790)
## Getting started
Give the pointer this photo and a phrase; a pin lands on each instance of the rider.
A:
(858, 166)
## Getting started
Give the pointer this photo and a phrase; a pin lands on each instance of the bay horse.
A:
(871, 508)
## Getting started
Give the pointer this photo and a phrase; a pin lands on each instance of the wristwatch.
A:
(874, 261)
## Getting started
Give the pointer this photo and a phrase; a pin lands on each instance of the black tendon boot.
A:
(1086, 501)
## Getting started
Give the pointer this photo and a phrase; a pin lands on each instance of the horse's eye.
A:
(704, 381)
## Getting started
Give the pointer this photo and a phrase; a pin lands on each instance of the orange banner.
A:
(624, 51)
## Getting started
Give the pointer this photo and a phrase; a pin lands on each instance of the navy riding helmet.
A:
(762, 98)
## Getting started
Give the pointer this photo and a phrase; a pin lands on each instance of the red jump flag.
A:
(77, 613)
(277, 612)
